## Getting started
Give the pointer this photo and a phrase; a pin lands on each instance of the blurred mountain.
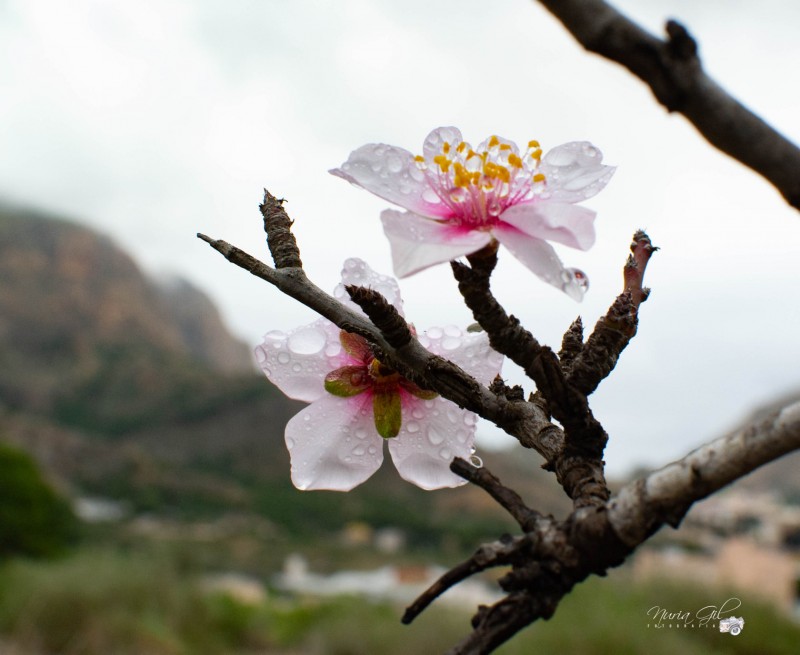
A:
(125, 388)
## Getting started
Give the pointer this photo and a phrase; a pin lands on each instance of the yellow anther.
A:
(476, 177)
(446, 147)
(420, 159)
(537, 154)
(504, 174)
(533, 144)
(514, 160)
(461, 177)
(494, 141)
(539, 177)
(471, 154)
(444, 162)
(505, 146)
(461, 147)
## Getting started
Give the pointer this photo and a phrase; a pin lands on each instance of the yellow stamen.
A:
(494, 141)
(461, 147)
(420, 159)
(537, 154)
(444, 162)
(533, 144)
(505, 146)
(446, 148)
(539, 177)
(514, 160)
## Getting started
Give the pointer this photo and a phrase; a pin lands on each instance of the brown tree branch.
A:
(673, 71)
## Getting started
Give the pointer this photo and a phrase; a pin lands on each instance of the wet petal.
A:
(418, 242)
(540, 257)
(574, 171)
(358, 273)
(436, 139)
(392, 174)
(298, 361)
(571, 225)
(333, 444)
(432, 434)
(469, 350)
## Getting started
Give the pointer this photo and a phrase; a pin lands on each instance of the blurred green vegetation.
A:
(34, 520)
(98, 602)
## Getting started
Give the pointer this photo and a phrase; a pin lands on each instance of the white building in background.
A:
(401, 584)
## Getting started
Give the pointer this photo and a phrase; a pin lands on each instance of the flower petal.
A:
(418, 242)
(394, 175)
(540, 257)
(298, 361)
(432, 434)
(561, 222)
(436, 139)
(469, 350)
(333, 444)
(357, 272)
(574, 171)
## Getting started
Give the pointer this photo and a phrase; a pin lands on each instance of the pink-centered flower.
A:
(358, 402)
(459, 200)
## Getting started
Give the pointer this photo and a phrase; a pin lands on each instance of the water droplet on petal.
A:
(446, 453)
(361, 433)
(359, 451)
(435, 437)
(429, 195)
(261, 356)
(307, 341)
(452, 331)
(296, 367)
(289, 443)
(434, 333)
(450, 343)
(412, 427)
(417, 413)
(394, 164)
(283, 358)
(589, 150)
(333, 349)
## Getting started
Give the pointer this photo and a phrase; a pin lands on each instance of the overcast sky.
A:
(154, 120)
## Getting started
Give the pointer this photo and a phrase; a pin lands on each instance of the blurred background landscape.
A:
(147, 508)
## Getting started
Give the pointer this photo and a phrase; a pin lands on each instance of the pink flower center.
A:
(479, 185)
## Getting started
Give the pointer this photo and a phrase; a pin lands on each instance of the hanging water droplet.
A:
(476, 461)
(575, 283)
(307, 341)
(289, 443)
(283, 358)
(261, 356)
